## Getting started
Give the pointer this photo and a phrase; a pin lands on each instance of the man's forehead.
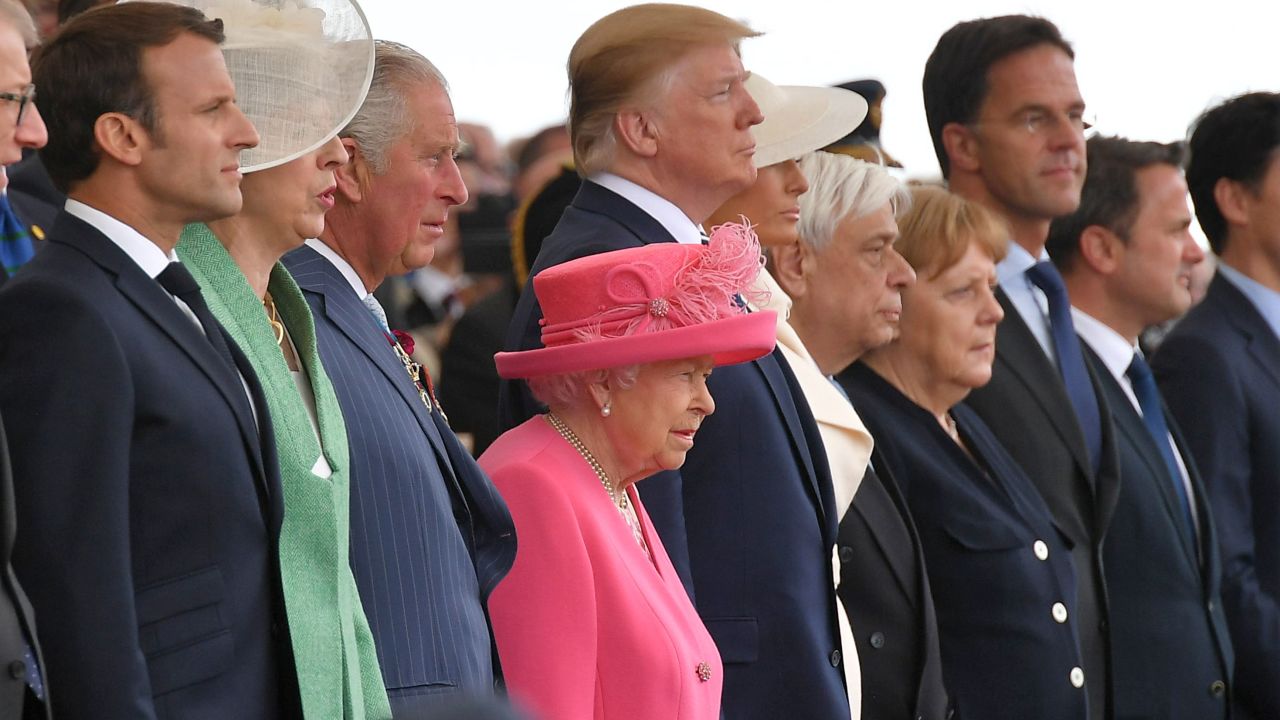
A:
(1043, 74)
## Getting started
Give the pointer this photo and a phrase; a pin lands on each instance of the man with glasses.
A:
(23, 693)
(1007, 123)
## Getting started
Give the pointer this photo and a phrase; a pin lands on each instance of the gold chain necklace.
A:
(273, 317)
(619, 497)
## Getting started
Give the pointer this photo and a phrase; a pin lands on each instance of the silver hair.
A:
(383, 118)
(841, 187)
(570, 389)
(16, 16)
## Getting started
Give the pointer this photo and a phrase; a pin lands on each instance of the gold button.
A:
(1077, 677)
(1060, 612)
(1041, 549)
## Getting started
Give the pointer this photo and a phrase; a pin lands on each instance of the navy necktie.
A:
(1144, 387)
(1070, 357)
(178, 281)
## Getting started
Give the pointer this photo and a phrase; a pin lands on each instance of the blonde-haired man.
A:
(661, 126)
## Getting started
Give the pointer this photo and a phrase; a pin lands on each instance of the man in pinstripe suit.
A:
(430, 536)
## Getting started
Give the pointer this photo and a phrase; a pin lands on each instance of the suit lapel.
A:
(774, 370)
(1134, 429)
(1020, 353)
(152, 300)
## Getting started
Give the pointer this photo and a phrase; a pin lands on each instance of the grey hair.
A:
(383, 118)
(570, 389)
(841, 187)
(16, 16)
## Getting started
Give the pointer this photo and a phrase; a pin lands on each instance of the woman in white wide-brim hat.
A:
(301, 70)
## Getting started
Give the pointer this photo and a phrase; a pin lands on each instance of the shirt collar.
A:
(344, 267)
(1017, 261)
(1110, 346)
(146, 254)
(1264, 299)
(659, 208)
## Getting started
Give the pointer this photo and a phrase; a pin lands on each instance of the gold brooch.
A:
(704, 671)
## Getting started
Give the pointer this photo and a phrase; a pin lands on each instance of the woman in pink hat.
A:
(592, 621)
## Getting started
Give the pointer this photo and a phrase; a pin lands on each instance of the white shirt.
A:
(669, 216)
(1116, 354)
(344, 267)
(1027, 299)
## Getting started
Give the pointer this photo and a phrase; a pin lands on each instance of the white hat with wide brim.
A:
(301, 69)
(800, 119)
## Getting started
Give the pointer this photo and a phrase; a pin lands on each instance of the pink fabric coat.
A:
(586, 626)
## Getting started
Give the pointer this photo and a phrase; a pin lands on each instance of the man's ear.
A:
(121, 138)
(636, 131)
(1101, 249)
(353, 176)
(791, 265)
(1233, 200)
(961, 146)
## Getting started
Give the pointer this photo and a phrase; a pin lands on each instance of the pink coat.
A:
(586, 626)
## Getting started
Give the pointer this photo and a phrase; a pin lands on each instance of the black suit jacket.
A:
(468, 376)
(886, 594)
(1219, 370)
(997, 567)
(1026, 406)
(149, 504)
(754, 495)
(17, 621)
(1169, 636)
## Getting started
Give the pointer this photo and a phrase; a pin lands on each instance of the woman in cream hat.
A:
(593, 622)
(301, 71)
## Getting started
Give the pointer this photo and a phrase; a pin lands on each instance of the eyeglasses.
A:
(1040, 122)
(24, 100)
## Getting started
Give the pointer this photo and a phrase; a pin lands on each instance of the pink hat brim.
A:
(728, 341)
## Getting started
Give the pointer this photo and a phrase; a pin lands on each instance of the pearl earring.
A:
(605, 410)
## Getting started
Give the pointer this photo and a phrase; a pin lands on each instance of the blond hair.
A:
(938, 229)
(626, 56)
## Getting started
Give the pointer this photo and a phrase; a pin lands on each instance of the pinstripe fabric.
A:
(430, 536)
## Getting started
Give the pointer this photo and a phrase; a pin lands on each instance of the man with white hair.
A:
(430, 535)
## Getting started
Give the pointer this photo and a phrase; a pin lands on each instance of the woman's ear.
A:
(601, 396)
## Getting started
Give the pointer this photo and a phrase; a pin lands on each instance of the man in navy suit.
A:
(752, 511)
(148, 499)
(1007, 123)
(430, 535)
(1219, 370)
(1126, 255)
(23, 693)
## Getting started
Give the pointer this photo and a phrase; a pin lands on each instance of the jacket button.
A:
(835, 658)
(1217, 688)
(1059, 612)
(1041, 549)
(17, 670)
(1210, 606)
(877, 640)
(1077, 677)
(846, 554)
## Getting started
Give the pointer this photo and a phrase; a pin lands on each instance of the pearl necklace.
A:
(619, 497)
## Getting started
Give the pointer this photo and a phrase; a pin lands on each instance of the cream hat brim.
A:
(800, 119)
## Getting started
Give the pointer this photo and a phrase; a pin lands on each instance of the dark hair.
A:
(1235, 140)
(1110, 195)
(93, 66)
(955, 76)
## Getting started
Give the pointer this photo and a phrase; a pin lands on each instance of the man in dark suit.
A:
(1126, 255)
(1007, 123)
(147, 496)
(430, 535)
(1219, 370)
(755, 494)
(22, 693)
